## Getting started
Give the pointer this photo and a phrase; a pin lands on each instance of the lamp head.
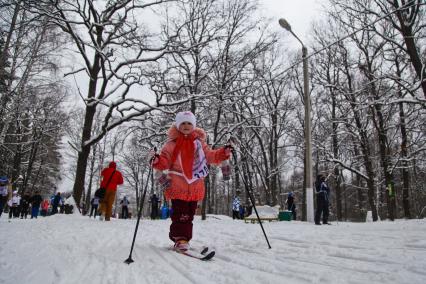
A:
(283, 23)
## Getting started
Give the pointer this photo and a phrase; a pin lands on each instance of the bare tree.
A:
(113, 46)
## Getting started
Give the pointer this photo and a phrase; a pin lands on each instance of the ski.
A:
(204, 257)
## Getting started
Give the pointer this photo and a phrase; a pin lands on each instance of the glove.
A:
(228, 149)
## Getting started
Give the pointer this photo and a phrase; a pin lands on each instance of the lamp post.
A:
(308, 140)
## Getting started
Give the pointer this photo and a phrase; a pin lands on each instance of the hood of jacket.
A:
(113, 165)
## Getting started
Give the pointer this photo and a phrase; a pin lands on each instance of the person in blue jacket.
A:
(236, 204)
(35, 201)
(165, 211)
(322, 192)
(56, 202)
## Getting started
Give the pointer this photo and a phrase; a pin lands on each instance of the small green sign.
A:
(390, 190)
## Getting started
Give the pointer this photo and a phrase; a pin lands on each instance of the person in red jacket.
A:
(111, 178)
(185, 157)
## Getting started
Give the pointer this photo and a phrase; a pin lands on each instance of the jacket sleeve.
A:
(215, 156)
(165, 157)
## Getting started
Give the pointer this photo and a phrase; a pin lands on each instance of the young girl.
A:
(185, 156)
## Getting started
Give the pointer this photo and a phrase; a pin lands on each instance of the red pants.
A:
(182, 215)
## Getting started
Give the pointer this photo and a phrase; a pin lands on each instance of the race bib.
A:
(199, 168)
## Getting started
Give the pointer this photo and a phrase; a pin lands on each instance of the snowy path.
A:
(76, 249)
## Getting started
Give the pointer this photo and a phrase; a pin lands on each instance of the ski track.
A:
(65, 249)
(173, 262)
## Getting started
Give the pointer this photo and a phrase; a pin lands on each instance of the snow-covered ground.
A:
(76, 249)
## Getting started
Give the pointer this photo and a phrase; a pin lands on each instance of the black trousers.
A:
(236, 214)
(93, 210)
(291, 207)
(182, 215)
(154, 212)
(54, 209)
(13, 211)
(24, 212)
(124, 212)
(322, 209)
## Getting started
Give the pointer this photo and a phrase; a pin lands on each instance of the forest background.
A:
(85, 82)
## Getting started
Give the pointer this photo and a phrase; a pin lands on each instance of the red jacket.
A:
(179, 187)
(116, 179)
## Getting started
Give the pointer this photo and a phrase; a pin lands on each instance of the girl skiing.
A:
(185, 156)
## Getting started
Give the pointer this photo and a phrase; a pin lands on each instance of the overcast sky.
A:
(299, 13)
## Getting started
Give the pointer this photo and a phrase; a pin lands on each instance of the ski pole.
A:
(250, 197)
(129, 259)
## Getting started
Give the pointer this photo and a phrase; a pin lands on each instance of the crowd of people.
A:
(182, 164)
(23, 205)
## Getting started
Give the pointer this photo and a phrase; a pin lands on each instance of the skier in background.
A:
(291, 206)
(56, 201)
(236, 205)
(322, 192)
(111, 179)
(25, 205)
(124, 208)
(94, 203)
(14, 203)
(35, 201)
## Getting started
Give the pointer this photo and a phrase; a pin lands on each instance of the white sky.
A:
(299, 14)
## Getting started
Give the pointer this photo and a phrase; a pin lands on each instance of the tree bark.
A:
(335, 142)
(379, 124)
(363, 140)
(408, 36)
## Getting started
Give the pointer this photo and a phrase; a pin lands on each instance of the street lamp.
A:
(308, 140)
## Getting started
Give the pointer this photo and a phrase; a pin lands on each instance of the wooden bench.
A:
(254, 220)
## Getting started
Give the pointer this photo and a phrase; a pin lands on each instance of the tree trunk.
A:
(273, 150)
(83, 156)
(363, 140)
(404, 152)
(379, 124)
(84, 152)
(366, 154)
(409, 39)
(404, 156)
(358, 183)
(335, 142)
(4, 53)
(92, 173)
